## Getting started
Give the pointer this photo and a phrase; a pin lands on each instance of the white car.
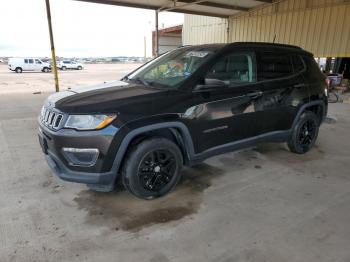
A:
(67, 64)
(19, 64)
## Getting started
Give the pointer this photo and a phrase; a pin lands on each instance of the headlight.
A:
(89, 122)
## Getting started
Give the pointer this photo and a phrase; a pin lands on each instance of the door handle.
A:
(255, 94)
(299, 85)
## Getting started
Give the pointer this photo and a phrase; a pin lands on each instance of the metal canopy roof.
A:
(217, 8)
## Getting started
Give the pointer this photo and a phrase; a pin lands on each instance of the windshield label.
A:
(197, 54)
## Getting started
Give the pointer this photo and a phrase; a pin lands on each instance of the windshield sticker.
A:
(197, 54)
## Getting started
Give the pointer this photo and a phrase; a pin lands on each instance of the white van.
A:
(28, 64)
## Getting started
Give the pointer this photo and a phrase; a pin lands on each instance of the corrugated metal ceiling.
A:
(217, 8)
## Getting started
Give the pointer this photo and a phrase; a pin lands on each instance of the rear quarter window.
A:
(298, 63)
(273, 65)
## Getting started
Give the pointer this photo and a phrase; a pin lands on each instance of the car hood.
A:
(108, 97)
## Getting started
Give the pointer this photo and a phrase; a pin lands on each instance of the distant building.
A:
(169, 39)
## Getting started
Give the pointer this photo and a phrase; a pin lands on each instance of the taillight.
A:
(328, 83)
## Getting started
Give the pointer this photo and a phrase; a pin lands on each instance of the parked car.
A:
(182, 108)
(19, 64)
(67, 64)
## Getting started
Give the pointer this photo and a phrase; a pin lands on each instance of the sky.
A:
(80, 29)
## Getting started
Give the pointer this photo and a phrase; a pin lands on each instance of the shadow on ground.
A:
(122, 211)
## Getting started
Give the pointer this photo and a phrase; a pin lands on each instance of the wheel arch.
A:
(317, 106)
(178, 131)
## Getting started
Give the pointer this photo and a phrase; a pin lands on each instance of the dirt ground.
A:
(259, 204)
(30, 82)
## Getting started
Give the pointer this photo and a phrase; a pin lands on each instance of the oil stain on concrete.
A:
(122, 211)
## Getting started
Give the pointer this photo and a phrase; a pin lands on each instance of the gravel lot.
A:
(259, 204)
(30, 82)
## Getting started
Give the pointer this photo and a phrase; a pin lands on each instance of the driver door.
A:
(227, 112)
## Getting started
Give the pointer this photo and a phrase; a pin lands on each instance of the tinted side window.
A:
(274, 65)
(37, 61)
(26, 61)
(31, 61)
(235, 69)
(298, 64)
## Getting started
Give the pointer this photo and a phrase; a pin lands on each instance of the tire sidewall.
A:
(18, 70)
(306, 116)
(130, 174)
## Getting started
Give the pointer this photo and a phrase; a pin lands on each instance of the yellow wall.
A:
(202, 30)
(322, 26)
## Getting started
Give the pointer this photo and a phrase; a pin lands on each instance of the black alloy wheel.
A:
(304, 133)
(152, 168)
(156, 170)
(307, 134)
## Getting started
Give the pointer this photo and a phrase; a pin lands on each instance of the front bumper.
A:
(102, 174)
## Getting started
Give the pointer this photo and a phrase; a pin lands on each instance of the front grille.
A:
(51, 118)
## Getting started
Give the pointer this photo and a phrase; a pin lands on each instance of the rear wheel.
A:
(152, 168)
(64, 68)
(18, 70)
(304, 133)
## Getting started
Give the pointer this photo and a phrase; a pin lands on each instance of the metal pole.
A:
(53, 54)
(144, 48)
(157, 34)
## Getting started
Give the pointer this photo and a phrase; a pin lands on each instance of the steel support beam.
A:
(217, 5)
(157, 33)
(53, 53)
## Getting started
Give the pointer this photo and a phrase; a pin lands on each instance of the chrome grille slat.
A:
(51, 118)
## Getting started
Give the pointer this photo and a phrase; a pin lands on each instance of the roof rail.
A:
(268, 44)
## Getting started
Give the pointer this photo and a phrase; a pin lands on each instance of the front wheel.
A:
(304, 133)
(152, 168)
(80, 68)
(45, 70)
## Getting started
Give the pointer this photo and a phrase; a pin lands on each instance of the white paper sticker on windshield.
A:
(197, 54)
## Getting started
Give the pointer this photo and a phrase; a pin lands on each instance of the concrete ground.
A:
(260, 204)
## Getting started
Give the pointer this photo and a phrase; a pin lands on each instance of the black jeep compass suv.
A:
(181, 108)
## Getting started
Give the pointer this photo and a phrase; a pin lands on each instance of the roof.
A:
(217, 8)
(170, 30)
(290, 48)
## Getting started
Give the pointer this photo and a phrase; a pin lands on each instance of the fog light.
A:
(81, 156)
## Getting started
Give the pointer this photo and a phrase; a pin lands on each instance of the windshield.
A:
(170, 69)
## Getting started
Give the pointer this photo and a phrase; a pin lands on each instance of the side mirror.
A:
(210, 83)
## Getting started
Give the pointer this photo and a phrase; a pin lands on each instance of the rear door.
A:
(24, 64)
(283, 89)
(31, 64)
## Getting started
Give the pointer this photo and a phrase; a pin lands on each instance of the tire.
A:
(64, 68)
(161, 162)
(304, 133)
(80, 68)
(18, 70)
(45, 70)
